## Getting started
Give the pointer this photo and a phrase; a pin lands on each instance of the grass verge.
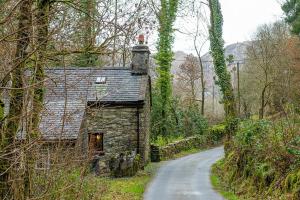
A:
(218, 185)
(131, 188)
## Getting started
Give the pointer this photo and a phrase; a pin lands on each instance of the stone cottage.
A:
(101, 112)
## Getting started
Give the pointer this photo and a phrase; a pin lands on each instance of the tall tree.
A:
(271, 72)
(42, 23)
(166, 17)
(87, 34)
(198, 45)
(217, 51)
(292, 11)
(16, 101)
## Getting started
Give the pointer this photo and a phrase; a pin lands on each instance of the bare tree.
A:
(35, 35)
(200, 36)
(12, 186)
(269, 69)
(189, 76)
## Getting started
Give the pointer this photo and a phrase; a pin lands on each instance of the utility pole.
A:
(238, 84)
(213, 106)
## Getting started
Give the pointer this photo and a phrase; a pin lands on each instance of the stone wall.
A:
(168, 151)
(145, 128)
(118, 125)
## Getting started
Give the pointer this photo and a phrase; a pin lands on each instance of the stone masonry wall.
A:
(194, 142)
(145, 128)
(118, 125)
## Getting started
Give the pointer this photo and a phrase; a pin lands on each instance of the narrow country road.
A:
(187, 178)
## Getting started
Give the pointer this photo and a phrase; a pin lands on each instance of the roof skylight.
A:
(100, 80)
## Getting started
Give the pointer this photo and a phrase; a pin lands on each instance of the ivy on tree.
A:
(164, 57)
(292, 11)
(224, 78)
(87, 35)
(217, 52)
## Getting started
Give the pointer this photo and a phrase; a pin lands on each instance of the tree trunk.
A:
(9, 180)
(87, 37)
(262, 106)
(88, 32)
(115, 33)
(202, 83)
(217, 50)
(42, 20)
(193, 102)
(1, 117)
(198, 51)
(202, 90)
(166, 18)
(38, 76)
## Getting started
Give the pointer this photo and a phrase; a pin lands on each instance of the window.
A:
(96, 143)
(43, 160)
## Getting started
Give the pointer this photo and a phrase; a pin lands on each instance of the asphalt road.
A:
(186, 178)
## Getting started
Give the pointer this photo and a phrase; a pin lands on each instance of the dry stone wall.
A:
(168, 151)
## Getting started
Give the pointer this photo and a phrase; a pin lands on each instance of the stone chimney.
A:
(140, 57)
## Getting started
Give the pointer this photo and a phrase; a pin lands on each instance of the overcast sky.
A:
(241, 18)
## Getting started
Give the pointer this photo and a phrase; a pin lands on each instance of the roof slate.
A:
(69, 90)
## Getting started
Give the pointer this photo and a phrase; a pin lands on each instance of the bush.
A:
(292, 184)
(216, 133)
(193, 122)
(251, 131)
(181, 121)
(163, 141)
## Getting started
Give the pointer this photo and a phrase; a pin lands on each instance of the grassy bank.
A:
(219, 185)
(128, 188)
(134, 187)
(131, 188)
(74, 184)
(263, 162)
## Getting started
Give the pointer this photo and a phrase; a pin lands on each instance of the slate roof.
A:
(69, 90)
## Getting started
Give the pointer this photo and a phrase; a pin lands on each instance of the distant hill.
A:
(179, 57)
(238, 50)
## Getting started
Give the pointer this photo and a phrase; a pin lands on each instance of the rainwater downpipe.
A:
(138, 130)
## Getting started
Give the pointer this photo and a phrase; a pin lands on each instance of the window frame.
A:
(93, 149)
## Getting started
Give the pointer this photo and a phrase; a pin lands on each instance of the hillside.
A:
(238, 50)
